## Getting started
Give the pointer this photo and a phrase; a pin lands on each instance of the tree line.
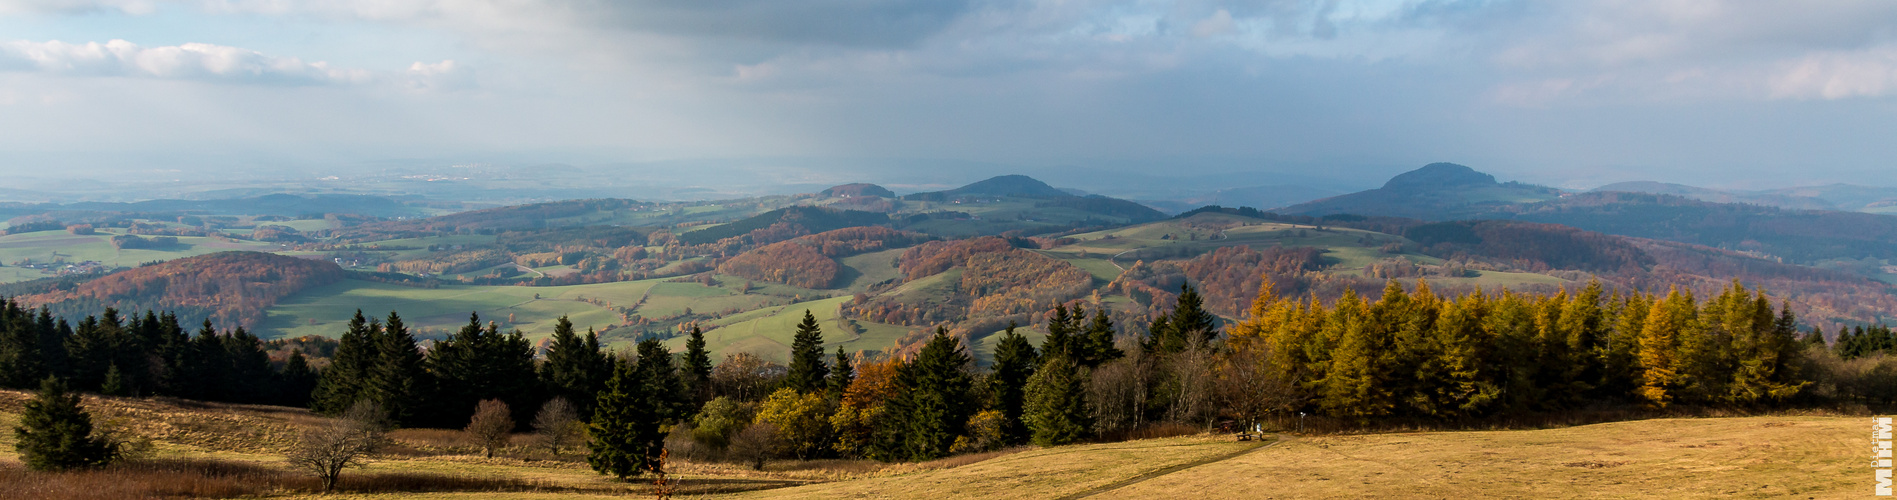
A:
(1409, 355)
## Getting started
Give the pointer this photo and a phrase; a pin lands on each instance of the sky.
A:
(1575, 93)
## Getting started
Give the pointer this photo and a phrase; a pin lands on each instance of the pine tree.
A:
(807, 371)
(340, 385)
(1056, 406)
(55, 433)
(1014, 365)
(575, 368)
(622, 427)
(842, 373)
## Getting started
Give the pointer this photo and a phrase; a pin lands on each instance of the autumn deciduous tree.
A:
(491, 426)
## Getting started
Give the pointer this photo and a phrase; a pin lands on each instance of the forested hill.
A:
(229, 288)
(1441, 192)
(1021, 186)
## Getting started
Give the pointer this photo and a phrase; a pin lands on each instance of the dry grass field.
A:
(210, 450)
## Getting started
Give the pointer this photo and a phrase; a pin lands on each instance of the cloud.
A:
(133, 7)
(1839, 75)
(190, 61)
(442, 76)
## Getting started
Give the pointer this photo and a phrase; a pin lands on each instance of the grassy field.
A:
(767, 332)
(1742, 457)
(331, 306)
(54, 246)
(1754, 457)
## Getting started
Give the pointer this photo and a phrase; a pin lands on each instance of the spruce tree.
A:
(480, 363)
(249, 368)
(842, 373)
(1014, 364)
(807, 371)
(55, 433)
(114, 384)
(1056, 405)
(297, 381)
(1063, 338)
(22, 363)
(623, 427)
(933, 404)
(575, 368)
(1098, 341)
(1190, 321)
(665, 389)
(340, 385)
(698, 365)
(398, 379)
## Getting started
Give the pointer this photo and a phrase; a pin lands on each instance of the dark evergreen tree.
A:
(1055, 409)
(623, 426)
(1064, 337)
(399, 380)
(665, 388)
(841, 374)
(1189, 321)
(934, 403)
(114, 384)
(296, 382)
(807, 371)
(698, 366)
(54, 335)
(1098, 342)
(1014, 364)
(94, 347)
(22, 362)
(482, 363)
(340, 385)
(248, 369)
(55, 433)
(575, 368)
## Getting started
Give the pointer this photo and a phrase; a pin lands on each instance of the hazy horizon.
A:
(1111, 97)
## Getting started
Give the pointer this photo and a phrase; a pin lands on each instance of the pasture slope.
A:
(1735, 457)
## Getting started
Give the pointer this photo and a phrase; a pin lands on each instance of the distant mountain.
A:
(1848, 197)
(1720, 196)
(1021, 186)
(1443, 192)
(857, 189)
(810, 219)
(1438, 191)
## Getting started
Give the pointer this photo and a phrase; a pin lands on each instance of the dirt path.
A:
(1176, 468)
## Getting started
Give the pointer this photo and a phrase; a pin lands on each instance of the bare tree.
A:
(558, 425)
(755, 444)
(340, 443)
(491, 425)
(1190, 382)
(1250, 388)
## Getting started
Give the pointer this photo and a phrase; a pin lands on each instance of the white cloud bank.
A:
(190, 61)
